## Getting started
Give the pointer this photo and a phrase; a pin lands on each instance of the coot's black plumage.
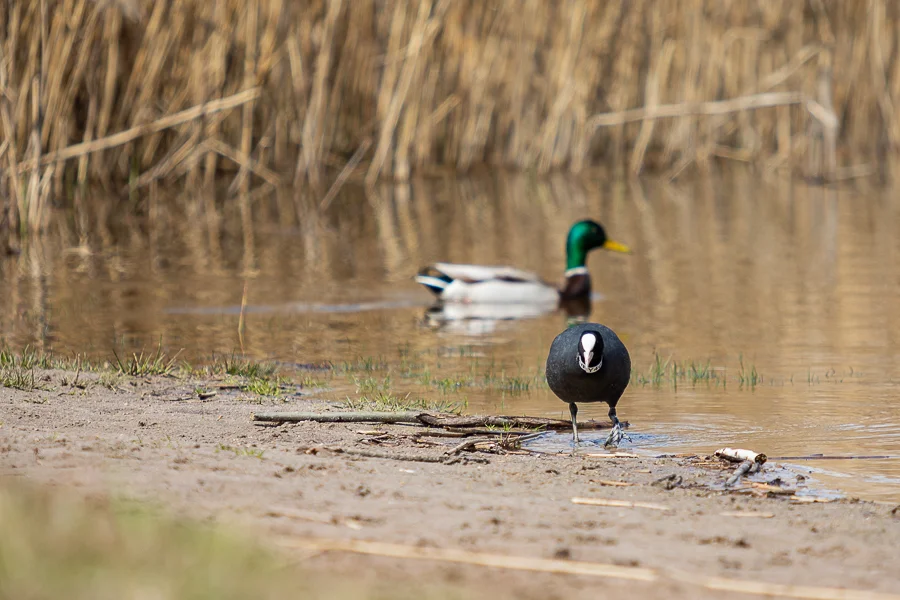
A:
(589, 363)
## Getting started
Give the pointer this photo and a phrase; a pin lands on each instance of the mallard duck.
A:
(589, 363)
(508, 285)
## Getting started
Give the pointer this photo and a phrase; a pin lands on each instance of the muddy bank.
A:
(155, 439)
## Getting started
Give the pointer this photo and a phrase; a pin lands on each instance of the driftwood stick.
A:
(129, 135)
(574, 567)
(740, 455)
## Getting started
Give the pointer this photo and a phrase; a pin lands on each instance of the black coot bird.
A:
(589, 363)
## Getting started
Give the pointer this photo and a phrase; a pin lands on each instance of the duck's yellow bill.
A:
(616, 247)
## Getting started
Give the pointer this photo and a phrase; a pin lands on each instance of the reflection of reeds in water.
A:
(539, 85)
(720, 266)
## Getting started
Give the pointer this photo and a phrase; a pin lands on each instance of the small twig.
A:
(443, 434)
(468, 444)
(619, 503)
(747, 514)
(613, 483)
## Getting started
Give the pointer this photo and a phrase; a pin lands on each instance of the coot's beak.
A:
(616, 247)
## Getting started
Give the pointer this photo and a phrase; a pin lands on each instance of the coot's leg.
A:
(573, 410)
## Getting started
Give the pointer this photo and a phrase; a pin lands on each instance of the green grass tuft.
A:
(389, 402)
(140, 365)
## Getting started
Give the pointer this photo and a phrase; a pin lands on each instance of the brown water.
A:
(798, 283)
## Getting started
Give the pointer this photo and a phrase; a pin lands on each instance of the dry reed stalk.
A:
(7, 64)
(313, 130)
(718, 107)
(423, 32)
(250, 50)
(124, 137)
(215, 65)
(345, 174)
(243, 160)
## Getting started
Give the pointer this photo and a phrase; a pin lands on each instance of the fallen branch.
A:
(572, 567)
(432, 420)
(619, 503)
(167, 122)
(448, 460)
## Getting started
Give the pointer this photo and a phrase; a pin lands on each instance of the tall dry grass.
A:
(382, 88)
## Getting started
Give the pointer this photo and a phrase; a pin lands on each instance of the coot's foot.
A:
(616, 435)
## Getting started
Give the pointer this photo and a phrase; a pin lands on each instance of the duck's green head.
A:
(584, 236)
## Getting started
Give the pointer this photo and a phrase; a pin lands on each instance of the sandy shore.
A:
(154, 439)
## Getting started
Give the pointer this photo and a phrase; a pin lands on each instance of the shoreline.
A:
(155, 438)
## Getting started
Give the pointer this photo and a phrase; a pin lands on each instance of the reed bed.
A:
(134, 93)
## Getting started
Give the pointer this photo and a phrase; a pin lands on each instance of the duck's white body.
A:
(478, 284)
